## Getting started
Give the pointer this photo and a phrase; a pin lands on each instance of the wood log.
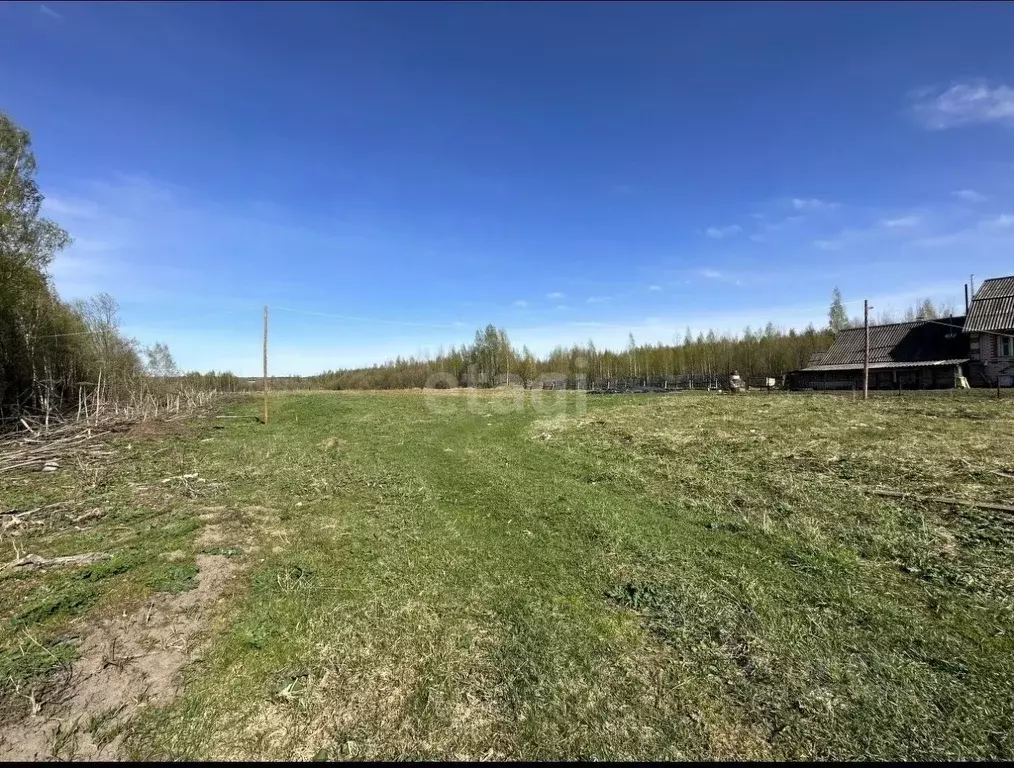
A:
(35, 561)
(942, 500)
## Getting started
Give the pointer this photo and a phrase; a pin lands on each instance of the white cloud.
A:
(970, 195)
(78, 275)
(827, 245)
(521, 303)
(70, 208)
(719, 233)
(989, 239)
(768, 226)
(904, 221)
(597, 299)
(654, 287)
(711, 274)
(562, 306)
(555, 295)
(812, 204)
(45, 10)
(964, 104)
(1003, 221)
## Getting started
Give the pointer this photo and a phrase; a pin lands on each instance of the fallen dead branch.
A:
(36, 561)
(184, 478)
(942, 500)
(16, 517)
(93, 514)
(27, 512)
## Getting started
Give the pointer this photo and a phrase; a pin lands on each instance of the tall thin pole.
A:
(866, 354)
(971, 281)
(265, 365)
(966, 298)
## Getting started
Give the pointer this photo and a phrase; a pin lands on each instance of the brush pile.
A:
(44, 443)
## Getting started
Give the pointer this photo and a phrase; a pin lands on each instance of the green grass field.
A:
(471, 576)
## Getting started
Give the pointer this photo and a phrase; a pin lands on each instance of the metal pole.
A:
(966, 298)
(866, 355)
(265, 365)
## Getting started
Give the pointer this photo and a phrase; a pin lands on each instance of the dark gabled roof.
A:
(879, 366)
(992, 309)
(898, 345)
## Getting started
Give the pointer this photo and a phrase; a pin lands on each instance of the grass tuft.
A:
(173, 578)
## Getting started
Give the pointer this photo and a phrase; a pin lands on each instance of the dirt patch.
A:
(213, 536)
(124, 663)
(156, 429)
(226, 527)
(335, 444)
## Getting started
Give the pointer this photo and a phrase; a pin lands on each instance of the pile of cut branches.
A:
(45, 443)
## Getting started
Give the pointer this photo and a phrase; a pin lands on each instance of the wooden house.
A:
(990, 329)
(923, 354)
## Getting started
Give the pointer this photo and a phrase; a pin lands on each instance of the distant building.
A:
(925, 354)
(990, 329)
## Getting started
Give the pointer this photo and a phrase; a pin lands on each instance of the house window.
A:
(1006, 346)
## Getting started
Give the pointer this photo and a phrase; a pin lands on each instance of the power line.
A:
(119, 330)
(368, 320)
(75, 333)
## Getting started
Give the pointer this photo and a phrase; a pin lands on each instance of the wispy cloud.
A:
(990, 238)
(598, 299)
(970, 196)
(555, 295)
(827, 245)
(963, 104)
(521, 303)
(654, 287)
(812, 204)
(788, 221)
(720, 233)
(904, 221)
(711, 274)
(1003, 221)
(64, 207)
(45, 10)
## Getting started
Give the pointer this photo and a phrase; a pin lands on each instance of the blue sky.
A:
(567, 171)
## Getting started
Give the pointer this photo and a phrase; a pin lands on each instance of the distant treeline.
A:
(492, 360)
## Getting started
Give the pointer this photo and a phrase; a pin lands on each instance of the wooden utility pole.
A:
(866, 354)
(966, 298)
(265, 419)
